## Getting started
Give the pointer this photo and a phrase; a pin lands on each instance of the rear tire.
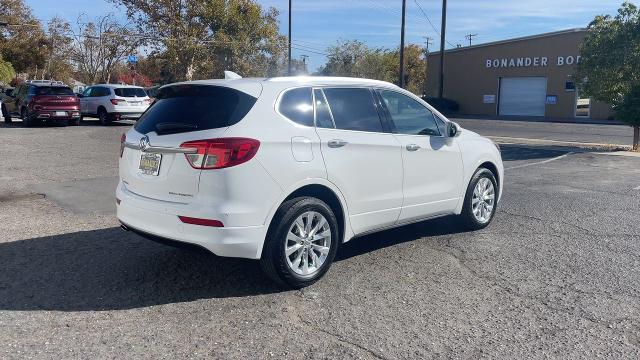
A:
(6, 115)
(480, 201)
(26, 119)
(316, 246)
(104, 117)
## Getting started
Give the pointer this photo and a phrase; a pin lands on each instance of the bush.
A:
(443, 105)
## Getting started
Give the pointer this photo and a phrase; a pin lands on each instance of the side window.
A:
(323, 114)
(353, 109)
(87, 92)
(32, 90)
(408, 115)
(297, 106)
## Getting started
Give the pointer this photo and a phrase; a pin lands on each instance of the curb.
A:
(578, 145)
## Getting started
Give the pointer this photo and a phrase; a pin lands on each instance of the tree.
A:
(100, 46)
(59, 45)
(355, 59)
(609, 67)
(6, 72)
(22, 41)
(194, 39)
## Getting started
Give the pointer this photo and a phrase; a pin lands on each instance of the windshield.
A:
(183, 108)
(130, 92)
(53, 90)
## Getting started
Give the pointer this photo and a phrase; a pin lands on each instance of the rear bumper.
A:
(127, 114)
(158, 223)
(52, 114)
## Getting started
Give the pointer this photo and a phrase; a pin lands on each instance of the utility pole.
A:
(428, 41)
(470, 37)
(443, 31)
(304, 62)
(401, 75)
(289, 55)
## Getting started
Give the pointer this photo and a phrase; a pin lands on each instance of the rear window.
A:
(53, 90)
(183, 108)
(130, 92)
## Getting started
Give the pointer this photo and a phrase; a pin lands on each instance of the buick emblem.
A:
(144, 143)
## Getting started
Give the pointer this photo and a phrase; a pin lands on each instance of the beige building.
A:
(529, 76)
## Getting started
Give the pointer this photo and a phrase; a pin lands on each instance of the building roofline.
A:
(506, 41)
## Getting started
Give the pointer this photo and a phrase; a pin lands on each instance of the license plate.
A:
(61, 113)
(135, 103)
(150, 164)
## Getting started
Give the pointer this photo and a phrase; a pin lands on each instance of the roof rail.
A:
(51, 82)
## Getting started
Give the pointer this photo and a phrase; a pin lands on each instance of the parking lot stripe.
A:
(540, 162)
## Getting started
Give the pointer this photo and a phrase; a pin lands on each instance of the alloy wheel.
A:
(483, 200)
(308, 243)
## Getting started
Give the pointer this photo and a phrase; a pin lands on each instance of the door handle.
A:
(413, 147)
(336, 143)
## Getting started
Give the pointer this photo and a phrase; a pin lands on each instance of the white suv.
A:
(111, 102)
(286, 169)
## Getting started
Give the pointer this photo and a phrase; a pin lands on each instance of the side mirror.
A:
(453, 129)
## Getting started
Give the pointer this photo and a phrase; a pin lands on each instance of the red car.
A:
(37, 101)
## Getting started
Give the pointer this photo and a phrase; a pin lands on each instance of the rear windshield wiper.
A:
(175, 126)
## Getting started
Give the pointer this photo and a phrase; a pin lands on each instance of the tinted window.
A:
(183, 108)
(323, 115)
(53, 90)
(100, 91)
(87, 92)
(297, 106)
(353, 109)
(408, 115)
(130, 92)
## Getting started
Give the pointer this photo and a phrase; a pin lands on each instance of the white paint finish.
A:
(301, 148)
(523, 96)
(90, 105)
(432, 175)
(368, 170)
(366, 175)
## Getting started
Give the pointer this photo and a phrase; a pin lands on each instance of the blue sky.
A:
(319, 23)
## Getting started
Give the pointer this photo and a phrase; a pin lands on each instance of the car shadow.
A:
(513, 152)
(111, 269)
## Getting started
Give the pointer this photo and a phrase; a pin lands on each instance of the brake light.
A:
(198, 221)
(221, 153)
(117, 101)
(123, 138)
(148, 101)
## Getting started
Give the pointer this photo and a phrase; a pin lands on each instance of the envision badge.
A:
(144, 143)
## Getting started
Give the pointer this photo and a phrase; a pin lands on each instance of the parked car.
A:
(41, 100)
(110, 102)
(286, 169)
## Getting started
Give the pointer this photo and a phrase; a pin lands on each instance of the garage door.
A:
(524, 96)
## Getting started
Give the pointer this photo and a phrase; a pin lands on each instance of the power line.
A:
(424, 13)
(470, 37)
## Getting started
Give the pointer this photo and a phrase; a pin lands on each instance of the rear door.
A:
(432, 163)
(181, 113)
(362, 158)
(84, 101)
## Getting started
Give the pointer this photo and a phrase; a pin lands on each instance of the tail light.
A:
(221, 153)
(118, 101)
(123, 138)
(202, 222)
(148, 101)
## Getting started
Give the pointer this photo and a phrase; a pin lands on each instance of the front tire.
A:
(480, 201)
(301, 242)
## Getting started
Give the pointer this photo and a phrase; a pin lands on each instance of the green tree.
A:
(22, 42)
(6, 72)
(355, 59)
(194, 39)
(610, 64)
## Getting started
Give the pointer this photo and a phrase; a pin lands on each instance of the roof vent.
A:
(231, 75)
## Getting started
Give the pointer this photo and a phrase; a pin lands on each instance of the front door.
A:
(362, 158)
(432, 162)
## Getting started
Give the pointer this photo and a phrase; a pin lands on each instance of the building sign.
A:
(536, 61)
(552, 99)
(489, 99)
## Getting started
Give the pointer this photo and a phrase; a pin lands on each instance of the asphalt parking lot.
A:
(556, 275)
